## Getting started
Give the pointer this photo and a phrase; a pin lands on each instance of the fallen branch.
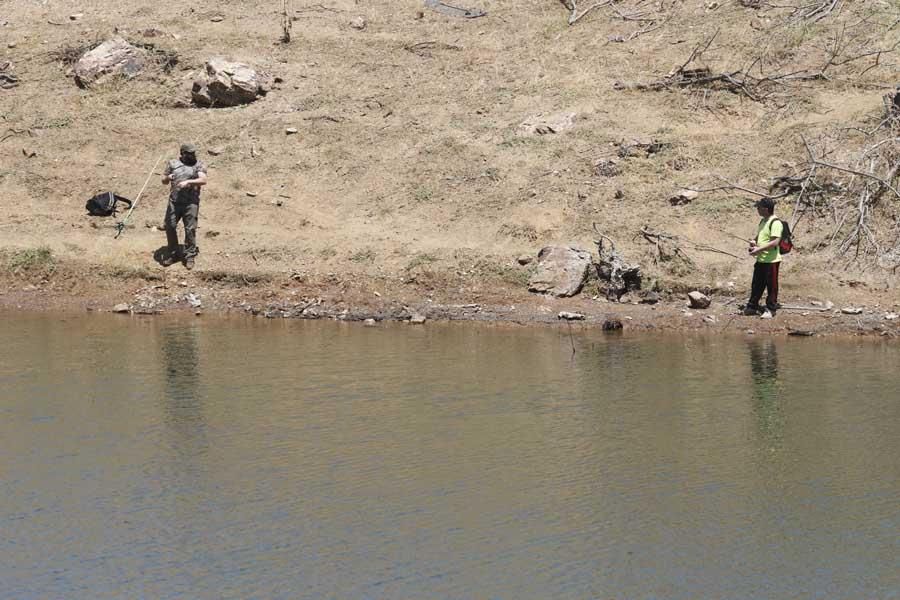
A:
(575, 16)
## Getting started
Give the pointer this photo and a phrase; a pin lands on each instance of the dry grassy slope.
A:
(418, 163)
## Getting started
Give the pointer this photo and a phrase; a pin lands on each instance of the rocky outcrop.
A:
(561, 271)
(228, 84)
(112, 57)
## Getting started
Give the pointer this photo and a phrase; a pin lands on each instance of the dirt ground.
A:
(410, 186)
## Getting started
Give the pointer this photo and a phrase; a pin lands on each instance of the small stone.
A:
(650, 298)
(75, 16)
(750, 332)
(710, 319)
(852, 310)
(252, 194)
(358, 23)
(570, 316)
(698, 300)
(525, 259)
(11, 45)
(29, 153)
(211, 234)
(216, 151)
(121, 308)
(801, 333)
(370, 323)
(417, 319)
(828, 305)
(891, 316)
(217, 19)
(291, 130)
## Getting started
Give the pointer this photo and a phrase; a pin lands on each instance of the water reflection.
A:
(767, 409)
(441, 462)
(182, 404)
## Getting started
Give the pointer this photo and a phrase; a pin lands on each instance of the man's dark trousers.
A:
(187, 213)
(765, 277)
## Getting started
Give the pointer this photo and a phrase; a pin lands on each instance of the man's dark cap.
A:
(766, 203)
(188, 149)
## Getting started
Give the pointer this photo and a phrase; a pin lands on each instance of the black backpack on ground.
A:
(104, 205)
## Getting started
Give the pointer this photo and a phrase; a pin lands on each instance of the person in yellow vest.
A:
(768, 260)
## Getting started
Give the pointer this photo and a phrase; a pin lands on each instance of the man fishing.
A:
(186, 175)
(765, 247)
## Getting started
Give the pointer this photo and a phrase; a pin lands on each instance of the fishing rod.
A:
(120, 226)
(737, 237)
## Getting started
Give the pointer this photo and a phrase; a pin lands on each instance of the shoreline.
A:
(352, 298)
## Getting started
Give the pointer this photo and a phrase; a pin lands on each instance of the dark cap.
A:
(188, 149)
(766, 203)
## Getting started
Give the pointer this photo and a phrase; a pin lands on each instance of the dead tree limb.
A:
(287, 22)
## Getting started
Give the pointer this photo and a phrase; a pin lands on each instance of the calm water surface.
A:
(166, 458)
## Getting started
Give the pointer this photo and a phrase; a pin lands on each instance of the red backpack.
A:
(787, 239)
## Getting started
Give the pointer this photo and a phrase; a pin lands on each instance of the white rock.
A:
(851, 310)
(112, 57)
(545, 124)
(698, 300)
(228, 84)
(570, 316)
(121, 308)
(561, 271)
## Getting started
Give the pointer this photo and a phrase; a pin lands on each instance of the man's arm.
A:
(200, 181)
(776, 232)
(757, 249)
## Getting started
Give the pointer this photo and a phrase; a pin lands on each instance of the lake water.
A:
(201, 458)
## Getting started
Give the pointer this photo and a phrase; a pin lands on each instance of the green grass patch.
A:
(128, 273)
(29, 260)
(420, 260)
(363, 256)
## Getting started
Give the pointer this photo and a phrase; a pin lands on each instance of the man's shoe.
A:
(189, 263)
(766, 315)
(751, 311)
(168, 261)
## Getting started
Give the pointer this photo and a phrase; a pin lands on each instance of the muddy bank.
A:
(68, 286)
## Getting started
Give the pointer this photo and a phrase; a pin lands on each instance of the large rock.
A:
(112, 57)
(561, 271)
(228, 84)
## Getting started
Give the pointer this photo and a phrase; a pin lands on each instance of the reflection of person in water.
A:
(766, 406)
(182, 407)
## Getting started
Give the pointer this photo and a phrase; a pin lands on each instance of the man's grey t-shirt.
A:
(177, 171)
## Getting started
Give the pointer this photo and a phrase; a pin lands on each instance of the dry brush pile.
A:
(844, 184)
